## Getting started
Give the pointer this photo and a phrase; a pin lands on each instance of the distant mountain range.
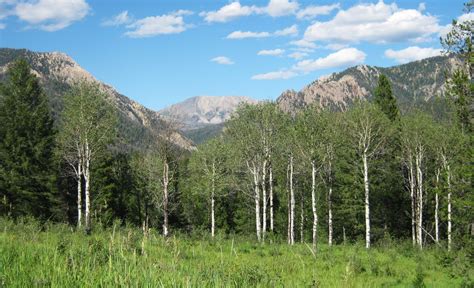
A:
(57, 72)
(201, 117)
(413, 84)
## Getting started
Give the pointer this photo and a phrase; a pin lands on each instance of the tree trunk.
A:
(448, 180)
(289, 202)
(270, 182)
(165, 198)
(411, 179)
(367, 207)
(257, 202)
(87, 187)
(419, 173)
(264, 200)
(292, 204)
(437, 207)
(302, 219)
(313, 202)
(79, 192)
(330, 229)
(213, 188)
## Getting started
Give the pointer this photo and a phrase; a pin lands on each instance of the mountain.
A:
(414, 84)
(197, 112)
(57, 72)
(203, 117)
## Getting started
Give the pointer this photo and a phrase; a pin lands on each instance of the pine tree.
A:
(27, 173)
(384, 98)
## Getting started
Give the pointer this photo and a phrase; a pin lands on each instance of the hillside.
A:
(57, 72)
(413, 84)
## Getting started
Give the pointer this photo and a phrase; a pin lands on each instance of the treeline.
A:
(369, 173)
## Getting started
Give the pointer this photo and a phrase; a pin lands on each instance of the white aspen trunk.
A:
(264, 200)
(289, 202)
(437, 208)
(79, 192)
(367, 207)
(213, 188)
(419, 157)
(165, 198)
(87, 186)
(292, 204)
(330, 229)
(448, 180)
(270, 182)
(411, 179)
(257, 203)
(302, 220)
(313, 202)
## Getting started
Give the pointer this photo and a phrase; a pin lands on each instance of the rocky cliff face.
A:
(413, 84)
(201, 111)
(57, 72)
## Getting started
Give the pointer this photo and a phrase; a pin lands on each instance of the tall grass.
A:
(35, 255)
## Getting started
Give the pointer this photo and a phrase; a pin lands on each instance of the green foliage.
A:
(27, 165)
(384, 98)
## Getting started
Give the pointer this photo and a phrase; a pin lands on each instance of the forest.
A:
(368, 197)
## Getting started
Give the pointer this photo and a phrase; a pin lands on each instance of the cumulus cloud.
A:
(278, 8)
(375, 23)
(247, 34)
(303, 44)
(312, 11)
(412, 54)
(275, 75)
(156, 25)
(298, 55)
(274, 52)
(52, 15)
(289, 31)
(234, 10)
(228, 12)
(120, 19)
(222, 60)
(342, 58)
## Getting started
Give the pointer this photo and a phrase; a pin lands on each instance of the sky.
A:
(160, 52)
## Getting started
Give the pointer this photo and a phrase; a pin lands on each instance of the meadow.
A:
(54, 255)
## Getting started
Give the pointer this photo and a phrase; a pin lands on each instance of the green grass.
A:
(32, 255)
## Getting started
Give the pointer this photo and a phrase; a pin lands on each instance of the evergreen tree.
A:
(384, 98)
(27, 172)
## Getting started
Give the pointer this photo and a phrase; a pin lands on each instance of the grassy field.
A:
(56, 256)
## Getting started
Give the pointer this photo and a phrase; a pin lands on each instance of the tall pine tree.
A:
(384, 98)
(26, 145)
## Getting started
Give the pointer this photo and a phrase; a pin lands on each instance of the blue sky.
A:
(162, 52)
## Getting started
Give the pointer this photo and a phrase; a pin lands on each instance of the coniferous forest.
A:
(372, 196)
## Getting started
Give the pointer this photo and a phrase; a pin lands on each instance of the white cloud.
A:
(298, 55)
(234, 10)
(274, 52)
(311, 12)
(421, 7)
(156, 25)
(228, 12)
(342, 58)
(304, 44)
(275, 75)
(278, 8)
(335, 46)
(375, 23)
(247, 34)
(182, 12)
(412, 54)
(120, 19)
(222, 60)
(461, 19)
(52, 15)
(2, 26)
(289, 31)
